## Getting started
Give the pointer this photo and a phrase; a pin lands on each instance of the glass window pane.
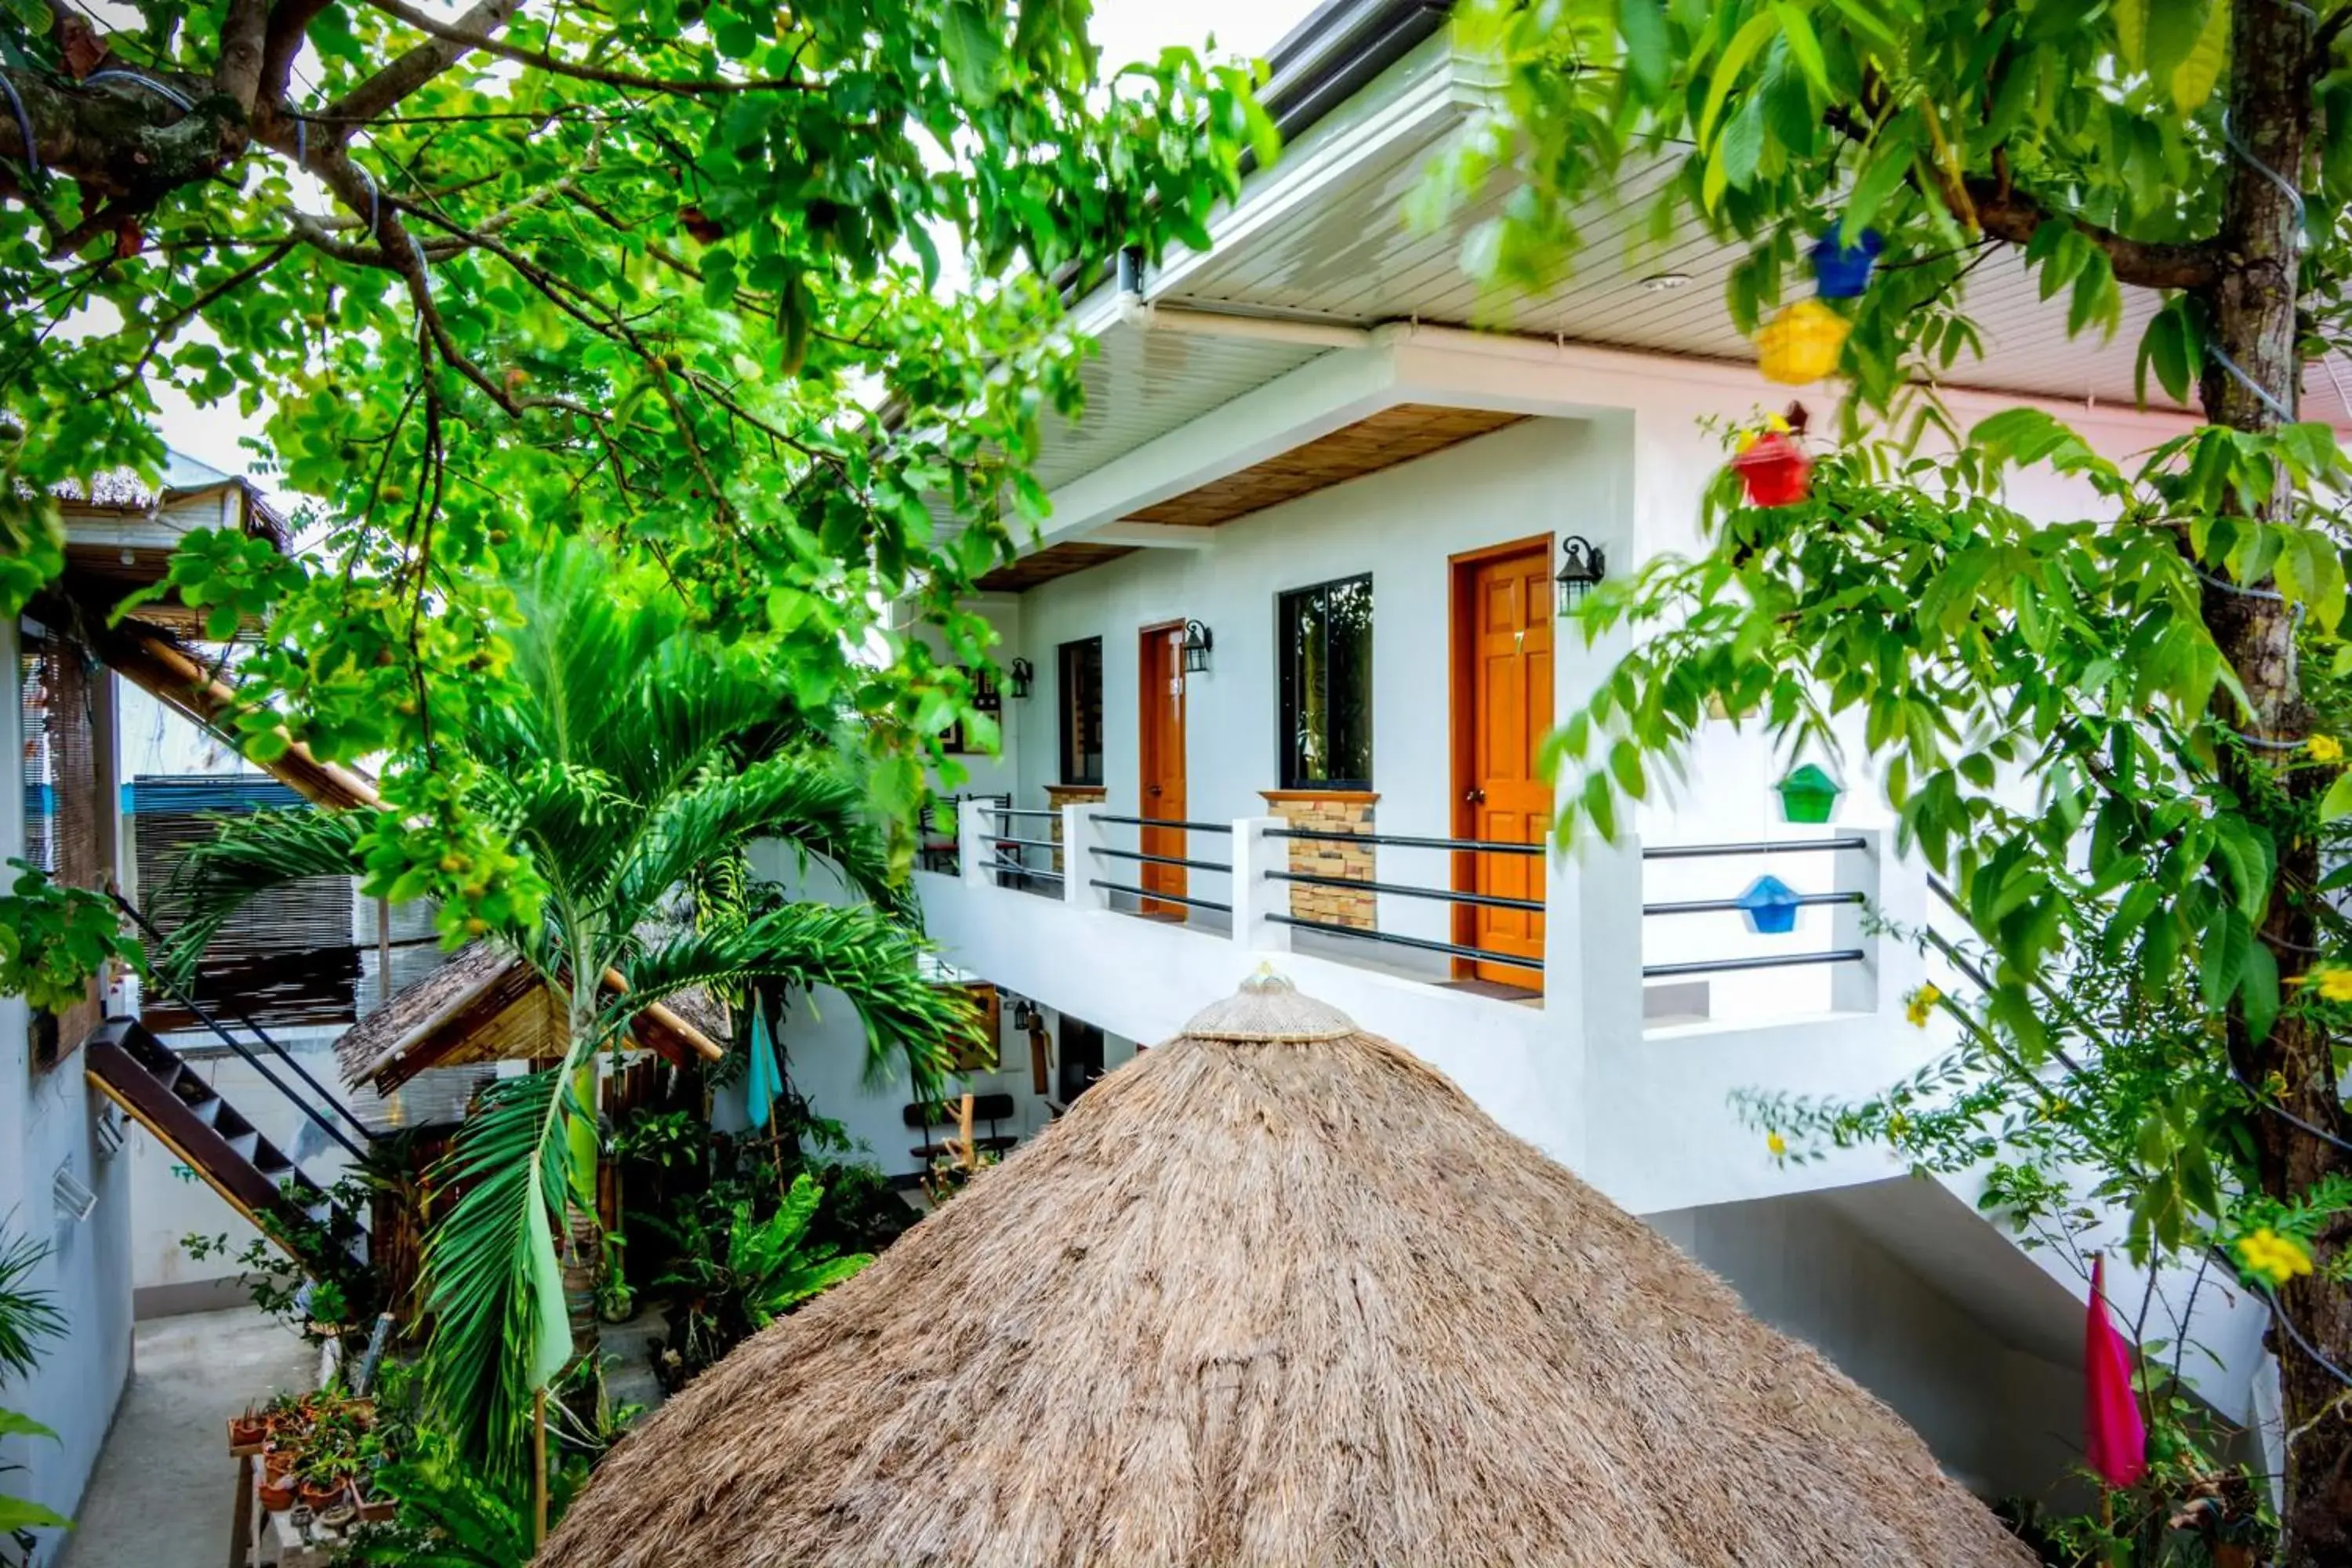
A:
(1325, 676)
(1081, 704)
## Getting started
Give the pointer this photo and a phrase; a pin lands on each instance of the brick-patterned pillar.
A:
(1328, 811)
(1059, 795)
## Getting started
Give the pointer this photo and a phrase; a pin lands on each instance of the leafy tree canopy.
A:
(676, 275)
(2119, 735)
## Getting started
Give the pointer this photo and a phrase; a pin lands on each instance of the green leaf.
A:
(1642, 24)
(21, 1514)
(2337, 803)
(1891, 158)
(1724, 73)
(2174, 27)
(2259, 994)
(2223, 963)
(2199, 70)
(1804, 47)
(2131, 31)
(975, 53)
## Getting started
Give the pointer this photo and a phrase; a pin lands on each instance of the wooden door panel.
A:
(1509, 646)
(1161, 731)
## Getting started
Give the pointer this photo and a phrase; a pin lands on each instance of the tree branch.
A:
(289, 27)
(449, 42)
(539, 60)
(2008, 214)
(237, 72)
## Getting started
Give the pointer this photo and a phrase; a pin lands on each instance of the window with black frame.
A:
(1081, 696)
(1324, 635)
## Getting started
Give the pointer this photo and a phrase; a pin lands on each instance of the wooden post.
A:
(538, 1468)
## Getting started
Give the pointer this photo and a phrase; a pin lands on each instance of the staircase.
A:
(164, 1094)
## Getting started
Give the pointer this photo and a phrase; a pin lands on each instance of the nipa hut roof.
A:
(1277, 1293)
(487, 1004)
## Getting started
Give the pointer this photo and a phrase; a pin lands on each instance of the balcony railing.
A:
(1141, 899)
(1463, 897)
(1641, 921)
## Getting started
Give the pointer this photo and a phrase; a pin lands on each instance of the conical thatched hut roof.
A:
(1277, 1293)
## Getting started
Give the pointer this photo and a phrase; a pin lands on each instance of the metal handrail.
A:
(1018, 869)
(1159, 898)
(1021, 811)
(1726, 906)
(1391, 939)
(1726, 965)
(1399, 841)
(1167, 822)
(1026, 843)
(1770, 846)
(239, 1046)
(1156, 860)
(1486, 900)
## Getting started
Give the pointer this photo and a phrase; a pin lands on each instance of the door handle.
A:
(1475, 796)
(1153, 791)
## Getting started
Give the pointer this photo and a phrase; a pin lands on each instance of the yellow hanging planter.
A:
(1801, 343)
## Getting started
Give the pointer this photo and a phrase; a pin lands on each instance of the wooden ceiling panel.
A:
(1053, 560)
(1393, 436)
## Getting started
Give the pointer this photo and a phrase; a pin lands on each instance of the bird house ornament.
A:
(1771, 460)
(1769, 906)
(1809, 794)
(1801, 343)
(1842, 271)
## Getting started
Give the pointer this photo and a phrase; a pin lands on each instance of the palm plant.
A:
(639, 754)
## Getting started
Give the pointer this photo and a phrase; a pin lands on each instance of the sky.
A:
(1126, 29)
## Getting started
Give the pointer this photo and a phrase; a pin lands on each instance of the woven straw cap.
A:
(1268, 1007)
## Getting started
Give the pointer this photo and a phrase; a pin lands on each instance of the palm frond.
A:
(486, 1262)
(248, 855)
(858, 951)
(813, 804)
(28, 1314)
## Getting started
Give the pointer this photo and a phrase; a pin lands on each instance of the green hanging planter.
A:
(1809, 794)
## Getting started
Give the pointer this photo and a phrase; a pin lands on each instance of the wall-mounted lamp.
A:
(1583, 564)
(1198, 641)
(1022, 673)
(1024, 1016)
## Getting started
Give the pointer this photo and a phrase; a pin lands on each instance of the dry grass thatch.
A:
(1290, 1299)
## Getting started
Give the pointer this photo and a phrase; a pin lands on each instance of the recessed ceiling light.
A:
(1660, 282)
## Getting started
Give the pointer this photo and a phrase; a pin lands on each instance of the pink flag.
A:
(2115, 1442)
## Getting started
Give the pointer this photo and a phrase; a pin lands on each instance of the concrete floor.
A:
(161, 1493)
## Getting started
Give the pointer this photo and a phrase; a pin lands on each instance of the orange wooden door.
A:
(1160, 729)
(1507, 600)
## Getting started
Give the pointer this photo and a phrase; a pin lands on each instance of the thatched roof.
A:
(1277, 1293)
(487, 1004)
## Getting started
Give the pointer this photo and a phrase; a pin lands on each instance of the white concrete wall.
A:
(2003, 1420)
(48, 1123)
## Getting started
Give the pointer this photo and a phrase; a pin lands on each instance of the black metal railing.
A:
(292, 1097)
(1146, 857)
(1734, 905)
(1459, 896)
(1005, 851)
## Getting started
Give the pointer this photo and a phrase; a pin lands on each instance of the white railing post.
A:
(971, 838)
(1078, 836)
(1592, 939)
(1892, 891)
(1254, 897)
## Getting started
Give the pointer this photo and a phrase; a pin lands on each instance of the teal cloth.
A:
(767, 1080)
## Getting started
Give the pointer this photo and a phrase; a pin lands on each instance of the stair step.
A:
(244, 1143)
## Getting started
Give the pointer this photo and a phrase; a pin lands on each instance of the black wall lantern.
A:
(1198, 640)
(1582, 563)
(1024, 1016)
(1023, 672)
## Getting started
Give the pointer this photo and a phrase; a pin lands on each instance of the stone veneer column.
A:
(1328, 811)
(1059, 795)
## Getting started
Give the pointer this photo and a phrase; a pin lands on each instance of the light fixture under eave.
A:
(1022, 673)
(1198, 641)
(1665, 282)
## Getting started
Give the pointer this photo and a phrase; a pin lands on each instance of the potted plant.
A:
(278, 1492)
(247, 1431)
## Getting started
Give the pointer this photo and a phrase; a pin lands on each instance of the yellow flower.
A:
(2333, 984)
(2325, 749)
(2275, 1258)
(1921, 1003)
(1777, 1144)
(1898, 1126)
(2274, 1083)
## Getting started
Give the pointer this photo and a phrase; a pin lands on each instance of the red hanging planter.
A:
(1774, 469)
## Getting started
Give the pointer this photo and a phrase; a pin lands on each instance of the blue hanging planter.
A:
(1843, 272)
(1770, 906)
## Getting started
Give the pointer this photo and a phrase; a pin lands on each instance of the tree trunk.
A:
(2252, 307)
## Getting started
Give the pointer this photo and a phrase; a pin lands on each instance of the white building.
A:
(1299, 461)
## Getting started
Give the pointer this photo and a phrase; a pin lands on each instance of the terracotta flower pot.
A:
(277, 1495)
(246, 1431)
(318, 1495)
(278, 1464)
